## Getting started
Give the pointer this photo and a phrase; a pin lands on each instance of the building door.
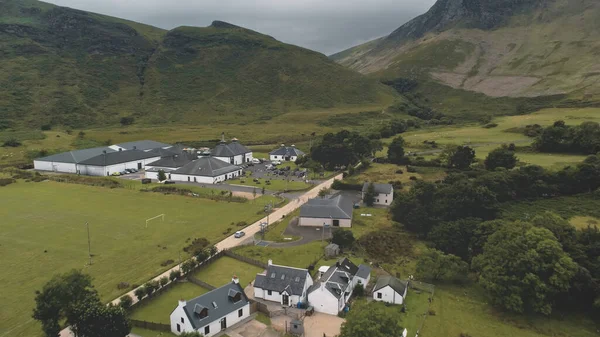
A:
(224, 323)
(336, 223)
(286, 299)
(139, 166)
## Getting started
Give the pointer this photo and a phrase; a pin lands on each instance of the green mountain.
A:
(517, 48)
(62, 66)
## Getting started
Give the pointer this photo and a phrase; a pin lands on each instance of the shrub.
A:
(46, 127)
(150, 287)
(242, 224)
(123, 285)
(174, 275)
(127, 120)
(12, 142)
(196, 245)
(140, 293)
(166, 263)
(490, 125)
(411, 169)
(6, 181)
(359, 290)
(125, 302)
(399, 172)
(431, 312)
(413, 178)
(163, 281)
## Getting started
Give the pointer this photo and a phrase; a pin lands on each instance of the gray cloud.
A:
(327, 26)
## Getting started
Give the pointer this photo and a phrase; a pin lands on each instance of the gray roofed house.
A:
(118, 157)
(229, 150)
(337, 207)
(207, 167)
(280, 278)
(287, 151)
(216, 303)
(394, 283)
(364, 271)
(77, 156)
(175, 161)
(379, 188)
(143, 145)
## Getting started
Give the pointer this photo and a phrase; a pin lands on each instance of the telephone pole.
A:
(87, 224)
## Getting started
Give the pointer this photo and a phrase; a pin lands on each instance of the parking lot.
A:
(262, 171)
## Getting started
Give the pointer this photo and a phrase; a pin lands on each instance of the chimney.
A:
(104, 151)
(135, 147)
(270, 262)
(235, 280)
(293, 145)
(120, 149)
(282, 145)
(182, 302)
(222, 137)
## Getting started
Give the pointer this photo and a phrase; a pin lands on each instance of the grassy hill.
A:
(62, 66)
(516, 48)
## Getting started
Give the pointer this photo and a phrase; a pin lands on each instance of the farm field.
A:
(43, 232)
(221, 271)
(159, 308)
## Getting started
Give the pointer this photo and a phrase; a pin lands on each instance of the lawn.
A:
(44, 233)
(582, 222)
(464, 310)
(150, 333)
(299, 256)
(158, 309)
(362, 225)
(275, 231)
(221, 271)
(384, 173)
(275, 184)
(417, 307)
(567, 207)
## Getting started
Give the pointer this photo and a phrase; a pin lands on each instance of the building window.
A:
(269, 292)
(386, 201)
(178, 328)
(377, 200)
(379, 295)
(207, 330)
(240, 312)
(182, 321)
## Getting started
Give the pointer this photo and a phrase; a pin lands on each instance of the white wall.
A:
(318, 222)
(276, 297)
(215, 326)
(248, 157)
(323, 301)
(382, 199)
(54, 166)
(388, 295)
(92, 170)
(204, 180)
(282, 158)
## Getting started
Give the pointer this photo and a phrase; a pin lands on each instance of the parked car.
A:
(269, 166)
(146, 181)
(250, 164)
(256, 161)
(276, 162)
(129, 170)
(116, 174)
(124, 173)
(239, 234)
(169, 182)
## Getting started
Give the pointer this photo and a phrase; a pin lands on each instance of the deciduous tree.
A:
(161, 175)
(372, 320)
(396, 151)
(369, 198)
(343, 238)
(434, 265)
(501, 157)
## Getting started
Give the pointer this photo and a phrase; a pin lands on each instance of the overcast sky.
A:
(327, 26)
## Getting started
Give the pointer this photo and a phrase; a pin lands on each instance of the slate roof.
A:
(207, 167)
(363, 271)
(337, 278)
(117, 157)
(379, 188)
(77, 156)
(394, 283)
(287, 151)
(143, 145)
(221, 298)
(229, 150)
(280, 278)
(337, 207)
(175, 161)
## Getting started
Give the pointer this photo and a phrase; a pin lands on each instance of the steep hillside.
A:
(499, 48)
(62, 66)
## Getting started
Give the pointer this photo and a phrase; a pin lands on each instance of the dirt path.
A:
(231, 241)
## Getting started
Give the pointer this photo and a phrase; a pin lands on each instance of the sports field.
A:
(43, 232)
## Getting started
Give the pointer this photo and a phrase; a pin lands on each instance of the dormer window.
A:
(283, 276)
(297, 279)
(201, 311)
(272, 275)
(214, 304)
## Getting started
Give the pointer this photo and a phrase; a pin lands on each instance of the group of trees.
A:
(373, 319)
(71, 298)
(583, 139)
(344, 148)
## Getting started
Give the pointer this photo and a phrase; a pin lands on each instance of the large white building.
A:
(206, 170)
(390, 290)
(285, 285)
(384, 193)
(335, 211)
(330, 294)
(286, 153)
(233, 153)
(212, 312)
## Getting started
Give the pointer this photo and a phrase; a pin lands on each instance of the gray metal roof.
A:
(394, 283)
(337, 207)
(76, 156)
(207, 167)
(337, 278)
(224, 304)
(379, 188)
(280, 278)
(143, 145)
(287, 151)
(175, 161)
(363, 271)
(118, 157)
(229, 150)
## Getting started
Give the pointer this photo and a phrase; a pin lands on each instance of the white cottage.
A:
(331, 293)
(212, 312)
(335, 211)
(286, 153)
(206, 170)
(233, 153)
(384, 193)
(285, 285)
(390, 290)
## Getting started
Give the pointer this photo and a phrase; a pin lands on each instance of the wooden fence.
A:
(150, 325)
(201, 283)
(244, 259)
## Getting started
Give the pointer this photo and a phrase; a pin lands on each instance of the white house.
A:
(212, 312)
(285, 285)
(384, 193)
(286, 153)
(206, 170)
(335, 211)
(331, 293)
(169, 164)
(233, 153)
(390, 290)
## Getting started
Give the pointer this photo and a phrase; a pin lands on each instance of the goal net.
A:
(161, 217)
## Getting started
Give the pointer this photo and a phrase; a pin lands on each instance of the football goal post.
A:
(161, 216)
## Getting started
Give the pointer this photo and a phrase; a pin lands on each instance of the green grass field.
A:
(362, 225)
(44, 233)
(384, 173)
(275, 231)
(299, 257)
(275, 185)
(159, 308)
(150, 333)
(221, 271)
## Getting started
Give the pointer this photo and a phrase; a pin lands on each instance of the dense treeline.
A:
(562, 138)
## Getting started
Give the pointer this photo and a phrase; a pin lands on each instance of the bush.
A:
(174, 275)
(12, 142)
(6, 181)
(490, 125)
(166, 263)
(411, 169)
(413, 178)
(399, 172)
(46, 127)
(341, 186)
(140, 293)
(359, 290)
(431, 312)
(127, 120)
(163, 281)
(123, 285)
(125, 302)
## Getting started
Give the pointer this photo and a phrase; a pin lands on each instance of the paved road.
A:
(231, 241)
